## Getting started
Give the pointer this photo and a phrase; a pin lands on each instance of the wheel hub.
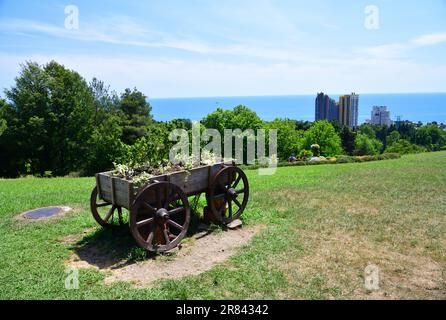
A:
(232, 193)
(162, 214)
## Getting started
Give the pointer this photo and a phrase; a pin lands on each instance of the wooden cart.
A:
(159, 212)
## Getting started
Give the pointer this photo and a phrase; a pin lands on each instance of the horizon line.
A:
(291, 95)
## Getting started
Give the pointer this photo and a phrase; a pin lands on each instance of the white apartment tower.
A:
(381, 116)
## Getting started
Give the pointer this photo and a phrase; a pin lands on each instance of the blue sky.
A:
(225, 48)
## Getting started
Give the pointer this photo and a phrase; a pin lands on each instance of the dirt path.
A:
(200, 254)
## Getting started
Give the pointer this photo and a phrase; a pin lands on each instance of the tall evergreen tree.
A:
(348, 137)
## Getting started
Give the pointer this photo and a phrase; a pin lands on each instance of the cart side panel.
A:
(192, 182)
(115, 190)
(196, 180)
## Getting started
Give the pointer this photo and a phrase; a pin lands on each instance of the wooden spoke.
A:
(174, 224)
(166, 197)
(109, 214)
(103, 216)
(237, 181)
(166, 236)
(121, 221)
(150, 236)
(148, 206)
(144, 222)
(103, 204)
(238, 203)
(238, 192)
(176, 210)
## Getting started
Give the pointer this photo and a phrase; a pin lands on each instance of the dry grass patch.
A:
(333, 266)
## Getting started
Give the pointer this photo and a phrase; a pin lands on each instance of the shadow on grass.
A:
(114, 247)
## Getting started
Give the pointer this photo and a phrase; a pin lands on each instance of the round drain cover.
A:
(45, 212)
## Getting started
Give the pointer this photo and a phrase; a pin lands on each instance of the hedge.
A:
(336, 160)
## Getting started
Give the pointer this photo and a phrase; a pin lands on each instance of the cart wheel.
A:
(228, 194)
(103, 212)
(159, 217)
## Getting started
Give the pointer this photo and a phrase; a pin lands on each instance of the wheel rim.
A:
(228, 194)
(103, 211)
(160, 217)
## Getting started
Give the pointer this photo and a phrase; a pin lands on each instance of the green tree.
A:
(303, 125)
(403, 146)
(241, 117)
(382, 132)
(52, 111)
(348, 138)
(3, 126)
(289, 140)
(368, 130)
(393, 137)
(104, 146)
(152, 149)
(185, 124)
(431, 137)
(3, 123)
(323, 134)
(364, 145)
(137, 115)
(105, 102)
(407, 130)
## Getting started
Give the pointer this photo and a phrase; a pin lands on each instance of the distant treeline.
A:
(53, 122)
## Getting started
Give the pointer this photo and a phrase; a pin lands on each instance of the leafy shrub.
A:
(364, 158)
(344, 159)
(388, 156)
(305, 154)
(404, 147)
(364, 145)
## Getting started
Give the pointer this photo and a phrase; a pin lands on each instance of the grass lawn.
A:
(323, 226)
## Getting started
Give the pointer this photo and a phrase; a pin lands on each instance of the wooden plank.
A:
(112, 189)
(98, 184)
(115, 190)
(122, 192)
(131, 196)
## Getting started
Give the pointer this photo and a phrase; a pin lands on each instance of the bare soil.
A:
(198, 254)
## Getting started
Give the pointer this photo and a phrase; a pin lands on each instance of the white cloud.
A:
(216, 69)
(185, 78)
(398, 50)
(429, 39)
(125, 32)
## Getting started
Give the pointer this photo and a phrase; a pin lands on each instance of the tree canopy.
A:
(324, 134)
(53, 121)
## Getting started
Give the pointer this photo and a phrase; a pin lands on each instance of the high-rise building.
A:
(345, 112)
(355, 109)
(325, 108)
(381, 116)
(348, 110)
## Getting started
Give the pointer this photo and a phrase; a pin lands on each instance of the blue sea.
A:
(424, 107)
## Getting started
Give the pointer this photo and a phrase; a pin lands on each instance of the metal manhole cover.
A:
(45, 212)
